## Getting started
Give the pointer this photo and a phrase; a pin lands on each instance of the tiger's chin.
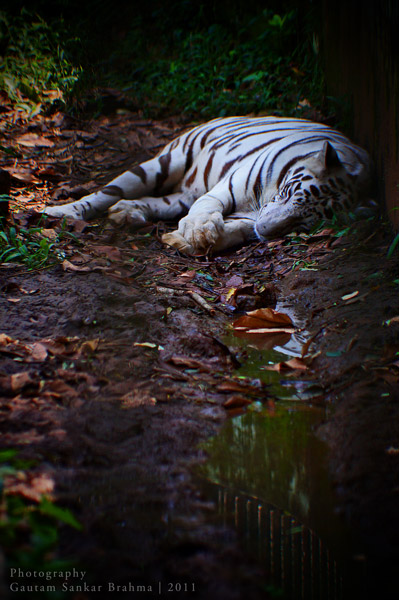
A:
(270, 229)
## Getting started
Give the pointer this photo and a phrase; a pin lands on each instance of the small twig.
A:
(170, 291)
(194, 295)
(202, 302)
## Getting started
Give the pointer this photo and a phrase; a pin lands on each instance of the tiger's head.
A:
(316, 190)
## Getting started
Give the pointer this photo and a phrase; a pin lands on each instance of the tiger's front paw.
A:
(177, 241)
(202, 231)
(125, 211)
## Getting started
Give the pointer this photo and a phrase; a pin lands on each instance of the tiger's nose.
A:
(269, 227)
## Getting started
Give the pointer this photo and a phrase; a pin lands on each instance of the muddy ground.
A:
(114, 369)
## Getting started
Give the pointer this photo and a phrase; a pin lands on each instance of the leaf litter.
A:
(108, 363)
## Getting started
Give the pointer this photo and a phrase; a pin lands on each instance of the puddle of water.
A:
(261, 352)
(267, 472)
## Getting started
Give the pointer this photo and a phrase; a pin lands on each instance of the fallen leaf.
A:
(350, 296)
(5, 339)
(264, 320)
(23, 175)
(20, 380)
(38, 351)
(234, 281)
(29, 486)
(261, 330)
(264, 341)
(145, 344)
(236, 401)
(294, 364)
(49, 234)
(236, 386)
(68, 266)
(230, 293)
(111, 252)
(33, 139)
(190, 363)
(89, 346)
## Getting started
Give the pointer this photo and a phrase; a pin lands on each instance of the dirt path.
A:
(114, 368)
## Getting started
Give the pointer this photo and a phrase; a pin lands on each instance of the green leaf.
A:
(48, 508)
(6, 455)
(392, 247)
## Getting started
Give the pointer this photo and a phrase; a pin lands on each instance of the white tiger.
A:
(236, 179)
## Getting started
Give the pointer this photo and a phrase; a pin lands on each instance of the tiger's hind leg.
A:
(153, 177)
(139, 213)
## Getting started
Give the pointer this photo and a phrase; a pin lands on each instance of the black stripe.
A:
(232, 195)
(162, 176)
(113, 190)
(288, 166)
(228, 165)
(251, 169)
(207, 169)
(140, 172)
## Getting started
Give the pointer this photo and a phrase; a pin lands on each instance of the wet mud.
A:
(127, 379)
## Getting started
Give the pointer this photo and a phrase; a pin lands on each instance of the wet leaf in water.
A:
(294, 364)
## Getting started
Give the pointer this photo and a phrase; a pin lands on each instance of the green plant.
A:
(29, 530)
(222, 69)
(393, 245)
(28, 246)
(35, 70)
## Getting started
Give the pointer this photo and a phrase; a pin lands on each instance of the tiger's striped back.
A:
(265, 174)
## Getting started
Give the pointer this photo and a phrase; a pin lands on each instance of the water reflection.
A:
(267, 472)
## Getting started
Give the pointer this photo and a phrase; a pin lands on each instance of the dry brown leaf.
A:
(23, 175)
(350, 296)
(33, 139)
(68, 266)
(60, 389)
(111, 252)
(19, 380)
(236, 401)
(38, 351)
(28, 486)
(5, 339)
(236, 386)
(264, 321)
(50, 234)
(61, 345)
(89, 346)
(294, 364)
(190, 363)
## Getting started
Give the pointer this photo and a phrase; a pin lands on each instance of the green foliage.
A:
(224, 69)
(35, 69)
(28, 530)
(27, 246)
(393, 245)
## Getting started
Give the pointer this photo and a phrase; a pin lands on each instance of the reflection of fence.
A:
(295, 558)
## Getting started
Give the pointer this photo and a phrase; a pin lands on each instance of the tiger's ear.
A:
(328, 157)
